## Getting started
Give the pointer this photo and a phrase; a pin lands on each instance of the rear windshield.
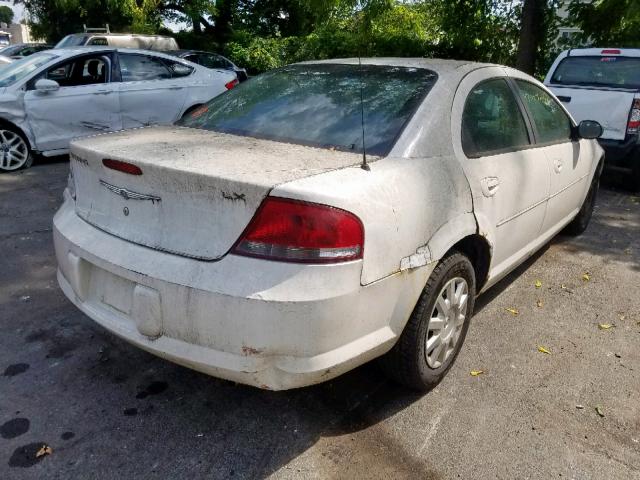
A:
(611, 72)
(72, 40)
(319, 105)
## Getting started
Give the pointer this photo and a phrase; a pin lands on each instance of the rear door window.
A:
(214, 61)
(551, 122)
(179, 69)
(136, 68)
(598, 71)
(492, 121)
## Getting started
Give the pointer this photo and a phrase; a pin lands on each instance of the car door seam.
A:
(521, 212)
(569, 186)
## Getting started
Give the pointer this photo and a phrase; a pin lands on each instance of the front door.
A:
(85, 104)
(570, 165)
(509, 178)
(152, 91)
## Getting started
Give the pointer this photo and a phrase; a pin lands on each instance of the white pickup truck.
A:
(603, 84)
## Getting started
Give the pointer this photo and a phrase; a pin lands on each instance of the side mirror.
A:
(589, 129)
(45, 85)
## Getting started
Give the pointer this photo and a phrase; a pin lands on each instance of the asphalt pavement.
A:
(76, 402)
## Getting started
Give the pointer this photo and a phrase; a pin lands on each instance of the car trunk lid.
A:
(198, 189)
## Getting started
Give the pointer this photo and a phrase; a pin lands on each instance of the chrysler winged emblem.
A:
(128, 194)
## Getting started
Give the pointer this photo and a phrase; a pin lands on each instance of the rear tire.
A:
(15, 152)
(581, 221)
(418, 360)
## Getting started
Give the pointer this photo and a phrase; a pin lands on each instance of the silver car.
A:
(52, 97)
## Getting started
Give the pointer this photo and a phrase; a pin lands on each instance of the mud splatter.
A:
(16, 369)
(25, 456)
(154, 388)
(14, 428)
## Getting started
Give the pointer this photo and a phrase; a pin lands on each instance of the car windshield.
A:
(320, 105)
(72, 40)
(597, 71)
(19, 69)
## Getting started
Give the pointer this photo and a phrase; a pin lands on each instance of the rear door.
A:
(569, 160)
(598, 87)
(152, 90)
(85, 104)
(509, 178)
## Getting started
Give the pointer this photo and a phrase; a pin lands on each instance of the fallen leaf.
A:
(539, 303)
(579, 407)
(44, 450)
(605, 326)
(600, 411)
(475, 373)
(538, 284)
(541, 349)
(621, 316)
(513, 311)
(586, 277)
(563, 286)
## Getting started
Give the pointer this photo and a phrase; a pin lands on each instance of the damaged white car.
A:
(49, 98)
(256, 241)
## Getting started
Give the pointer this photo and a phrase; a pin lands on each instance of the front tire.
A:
(438, 325)
(14, 150)
(581, 221)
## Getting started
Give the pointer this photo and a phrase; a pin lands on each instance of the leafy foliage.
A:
(607, 22)
(6, 14)
(262, 34)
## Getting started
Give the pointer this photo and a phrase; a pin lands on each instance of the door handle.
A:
(175, 87)
(102, 92)
(490, 186)
(557, 165)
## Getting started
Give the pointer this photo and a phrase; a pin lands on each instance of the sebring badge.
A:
(128, 194)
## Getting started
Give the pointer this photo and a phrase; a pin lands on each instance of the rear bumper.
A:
(621, 153)
(266, 324)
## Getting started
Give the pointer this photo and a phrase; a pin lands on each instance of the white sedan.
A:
(258, 241)
(49, 98)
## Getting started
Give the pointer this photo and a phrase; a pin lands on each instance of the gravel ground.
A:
(108, 410)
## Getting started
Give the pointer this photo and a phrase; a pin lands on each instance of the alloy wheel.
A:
(446, 322)
(14, 151)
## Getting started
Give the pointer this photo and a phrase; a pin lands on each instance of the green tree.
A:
(607, 22)
(53, 19)
(6, 15)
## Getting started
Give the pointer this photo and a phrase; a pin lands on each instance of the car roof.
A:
(438, 65)
(111, 34)
(187, 51)
(66, 52)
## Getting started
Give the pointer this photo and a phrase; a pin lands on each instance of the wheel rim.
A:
(13, 150)
(446, 322)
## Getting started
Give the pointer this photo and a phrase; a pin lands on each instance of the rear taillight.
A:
(231, 84)
(610, 51)
(120, 166)
(294, 231)
(634, 117)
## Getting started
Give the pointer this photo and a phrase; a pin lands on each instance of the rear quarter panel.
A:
(203, 85)
(402, 202)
